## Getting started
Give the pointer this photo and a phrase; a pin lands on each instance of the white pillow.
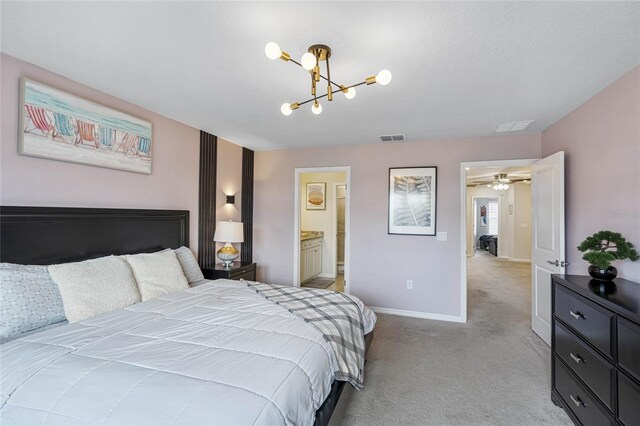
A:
(157, 273)
(94, 286)
(189, 264)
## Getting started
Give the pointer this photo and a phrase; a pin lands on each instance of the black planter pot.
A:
(603, 274)
(603, 288)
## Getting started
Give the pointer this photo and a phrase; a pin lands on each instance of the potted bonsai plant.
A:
(604, 247)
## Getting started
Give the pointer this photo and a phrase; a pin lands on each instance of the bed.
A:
(217, 353)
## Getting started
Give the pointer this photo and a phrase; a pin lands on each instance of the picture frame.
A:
(412, 200)
(316, 195)
(58, 125)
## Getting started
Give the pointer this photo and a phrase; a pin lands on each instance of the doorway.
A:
(546, 233)
(494, 225)
(321, 228)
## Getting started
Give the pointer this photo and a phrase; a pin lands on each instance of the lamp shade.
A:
(229, 232)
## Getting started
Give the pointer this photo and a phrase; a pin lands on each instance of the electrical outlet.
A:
(410, 284)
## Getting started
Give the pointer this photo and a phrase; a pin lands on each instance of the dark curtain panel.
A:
(246, 252)
(207, 200)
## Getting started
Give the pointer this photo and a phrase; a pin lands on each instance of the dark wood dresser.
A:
(237, 271)
(595, 346)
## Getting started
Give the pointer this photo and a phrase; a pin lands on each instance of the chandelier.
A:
(310, 61)
(500, 182)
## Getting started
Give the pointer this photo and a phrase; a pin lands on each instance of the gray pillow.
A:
(189, 264)
(29, 299)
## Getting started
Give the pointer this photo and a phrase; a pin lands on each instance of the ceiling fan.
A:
(500, 182)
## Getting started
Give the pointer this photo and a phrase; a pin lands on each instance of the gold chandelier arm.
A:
(329, 92)
(321, 76)
(315, 98)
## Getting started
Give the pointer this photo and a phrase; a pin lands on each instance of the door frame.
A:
(335, 224)
(500, 223)
(297, 208)
(463, 219)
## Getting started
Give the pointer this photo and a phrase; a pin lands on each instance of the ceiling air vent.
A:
(392, 138)
(514, 126)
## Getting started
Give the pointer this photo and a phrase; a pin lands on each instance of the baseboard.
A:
(515, 259)
(416, 314)
(326, 275)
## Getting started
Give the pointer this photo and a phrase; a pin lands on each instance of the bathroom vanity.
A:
(310, 255)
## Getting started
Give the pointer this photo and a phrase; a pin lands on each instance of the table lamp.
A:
(228, 232)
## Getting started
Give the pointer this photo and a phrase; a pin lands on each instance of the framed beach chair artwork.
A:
(60, 126)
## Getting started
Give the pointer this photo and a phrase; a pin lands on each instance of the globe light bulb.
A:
(308, 61)
(285, 109)
(316, 108)
(384, 77)
(272, 50)
(350, 93)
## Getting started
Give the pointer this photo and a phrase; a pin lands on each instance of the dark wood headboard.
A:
(49, 235)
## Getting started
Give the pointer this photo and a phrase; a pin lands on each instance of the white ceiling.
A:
(459, 69)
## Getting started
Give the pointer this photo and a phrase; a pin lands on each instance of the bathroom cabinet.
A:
(310, 259)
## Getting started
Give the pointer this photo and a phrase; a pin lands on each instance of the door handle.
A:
(563, 263)
(556, 263)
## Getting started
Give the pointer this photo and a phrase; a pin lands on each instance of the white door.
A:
(547, 254)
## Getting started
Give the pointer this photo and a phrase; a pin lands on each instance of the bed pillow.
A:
(157, 274)
(94, 286)
(189, 264)
(29, 299)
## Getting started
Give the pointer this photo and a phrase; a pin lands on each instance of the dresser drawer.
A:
(629, 347)
(249, 275)
(591, 321)
(593, 369)
(628, 401)
(578, 399)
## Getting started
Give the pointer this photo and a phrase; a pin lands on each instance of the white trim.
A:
(463, 219)
(334, 224)
(416, 314)
(516, 260)
(326, 275)
(296, 220)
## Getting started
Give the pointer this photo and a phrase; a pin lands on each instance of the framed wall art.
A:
(316, 195)
(60, 126)
(412, 200)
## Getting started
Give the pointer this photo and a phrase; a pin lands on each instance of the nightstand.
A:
(237, 271)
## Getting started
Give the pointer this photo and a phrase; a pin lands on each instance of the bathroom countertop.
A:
(310, 235)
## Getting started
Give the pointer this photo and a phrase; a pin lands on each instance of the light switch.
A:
(441, 236)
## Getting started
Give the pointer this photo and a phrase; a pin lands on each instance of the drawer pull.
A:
(577, 401)
(577, 358)
(576, 315)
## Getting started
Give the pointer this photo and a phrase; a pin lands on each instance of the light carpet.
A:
(491, 371)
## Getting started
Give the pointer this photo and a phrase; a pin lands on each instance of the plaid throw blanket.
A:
(338, 318)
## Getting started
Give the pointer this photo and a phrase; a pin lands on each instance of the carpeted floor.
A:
(491, 371)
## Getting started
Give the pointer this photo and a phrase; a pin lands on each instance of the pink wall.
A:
(229, 181)
(601, 139)
(31, 181)
(380, 263)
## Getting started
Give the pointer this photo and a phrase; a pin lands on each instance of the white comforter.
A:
(216, 354)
